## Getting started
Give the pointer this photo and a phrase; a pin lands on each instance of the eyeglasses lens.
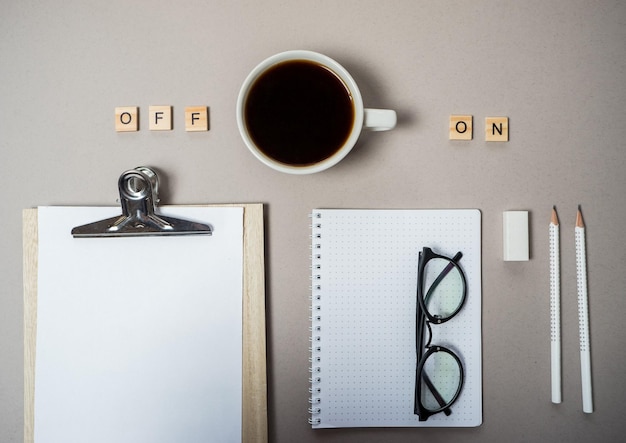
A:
(443, 285)
(441, 376)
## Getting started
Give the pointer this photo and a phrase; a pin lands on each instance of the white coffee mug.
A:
(362, 118)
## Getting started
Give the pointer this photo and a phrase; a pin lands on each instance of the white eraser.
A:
(515, 235)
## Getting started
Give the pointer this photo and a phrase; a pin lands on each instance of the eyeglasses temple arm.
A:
(436, 394)
(429, 384)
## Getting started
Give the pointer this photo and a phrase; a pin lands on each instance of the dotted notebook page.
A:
(364, 271)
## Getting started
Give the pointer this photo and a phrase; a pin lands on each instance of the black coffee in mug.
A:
(299, 112)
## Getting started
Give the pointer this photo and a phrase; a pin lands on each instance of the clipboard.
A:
(254, 383)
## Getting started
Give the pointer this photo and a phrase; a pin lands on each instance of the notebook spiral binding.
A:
(316, 318)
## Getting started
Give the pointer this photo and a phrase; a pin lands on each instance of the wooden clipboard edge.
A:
(30, 257)
(254, 370)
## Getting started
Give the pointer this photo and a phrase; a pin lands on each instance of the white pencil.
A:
(583, 314)
(555, 307)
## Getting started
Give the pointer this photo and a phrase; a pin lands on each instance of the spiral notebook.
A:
(364, 272)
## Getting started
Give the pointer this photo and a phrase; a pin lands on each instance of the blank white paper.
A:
(139, 339)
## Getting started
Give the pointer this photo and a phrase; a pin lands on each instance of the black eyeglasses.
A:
(441, 291)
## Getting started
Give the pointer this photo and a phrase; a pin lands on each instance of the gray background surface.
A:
(556, 69)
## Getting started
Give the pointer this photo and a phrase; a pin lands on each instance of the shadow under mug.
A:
(279, 98)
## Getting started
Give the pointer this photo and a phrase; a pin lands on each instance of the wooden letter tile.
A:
(196, 118)
(126, 119)
(160, 118)
(497, 129)
(460, 127)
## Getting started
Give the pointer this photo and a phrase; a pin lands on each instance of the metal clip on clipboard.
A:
(138, 196)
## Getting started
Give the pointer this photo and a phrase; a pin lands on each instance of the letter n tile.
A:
(497, 129)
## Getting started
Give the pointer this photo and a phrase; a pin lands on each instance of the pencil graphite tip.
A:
(579, 219)
(554, 219)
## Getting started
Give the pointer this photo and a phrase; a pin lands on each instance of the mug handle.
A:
(379, 119)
